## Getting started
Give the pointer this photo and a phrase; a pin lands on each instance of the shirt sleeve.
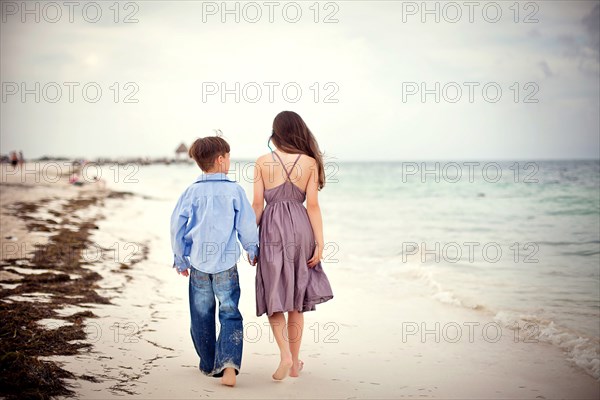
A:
(245, 224)
(179, 220)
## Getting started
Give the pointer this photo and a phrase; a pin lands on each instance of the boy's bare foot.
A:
(296, 368)
(228, 378)
(284, 368)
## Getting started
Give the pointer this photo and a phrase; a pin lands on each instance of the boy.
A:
(204, 224)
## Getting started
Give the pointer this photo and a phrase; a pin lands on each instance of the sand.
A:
(365, 343)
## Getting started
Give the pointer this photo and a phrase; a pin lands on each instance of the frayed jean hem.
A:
(217, 373)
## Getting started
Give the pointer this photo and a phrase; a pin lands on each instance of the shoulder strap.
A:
(283, 165)
(294, 164)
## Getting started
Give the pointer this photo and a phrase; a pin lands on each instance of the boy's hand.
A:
(184, 273)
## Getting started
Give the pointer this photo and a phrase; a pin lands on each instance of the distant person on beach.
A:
(21, 158)
(14, 159)
(289, 276)
(75, 180)
(209, 218)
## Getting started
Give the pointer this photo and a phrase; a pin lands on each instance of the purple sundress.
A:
(284, 282)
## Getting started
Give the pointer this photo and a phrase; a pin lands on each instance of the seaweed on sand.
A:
(22, 338)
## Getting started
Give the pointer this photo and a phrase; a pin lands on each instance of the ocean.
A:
(517, 240)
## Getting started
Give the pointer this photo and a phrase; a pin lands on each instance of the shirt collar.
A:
(212, 177)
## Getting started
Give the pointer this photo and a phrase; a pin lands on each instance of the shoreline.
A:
(581, 350)
(363, 344)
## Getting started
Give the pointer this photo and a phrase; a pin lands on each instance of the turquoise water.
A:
(548, 232)
(539, 224)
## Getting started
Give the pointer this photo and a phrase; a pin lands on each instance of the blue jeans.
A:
(226, 352)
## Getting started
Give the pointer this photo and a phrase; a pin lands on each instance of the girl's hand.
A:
(317, 256)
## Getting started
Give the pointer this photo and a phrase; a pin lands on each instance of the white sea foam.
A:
(582, 351)
(440, 293)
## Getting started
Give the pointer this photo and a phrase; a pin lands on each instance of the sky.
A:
(391, 80)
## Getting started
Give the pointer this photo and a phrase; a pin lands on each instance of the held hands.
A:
(253, 261)
(183, 273)
(317, 256)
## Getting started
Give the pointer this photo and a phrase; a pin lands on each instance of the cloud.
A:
(368, 55)
(582, 42)
(534, 33)
(591, 22)
(545, 68)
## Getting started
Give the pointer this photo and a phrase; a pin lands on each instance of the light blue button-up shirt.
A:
(204, 224)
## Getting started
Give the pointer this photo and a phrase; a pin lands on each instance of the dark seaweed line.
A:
(22, 339)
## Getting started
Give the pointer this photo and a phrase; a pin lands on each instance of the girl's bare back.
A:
(273, 173)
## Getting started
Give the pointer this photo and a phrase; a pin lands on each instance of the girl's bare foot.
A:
(296, 368)
(228, 377)
(284, 368)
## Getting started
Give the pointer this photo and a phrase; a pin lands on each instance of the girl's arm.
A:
(258, 203)
(314, 214)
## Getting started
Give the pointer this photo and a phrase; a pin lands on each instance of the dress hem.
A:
(310, 306)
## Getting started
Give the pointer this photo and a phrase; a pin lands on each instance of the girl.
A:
(289, 276)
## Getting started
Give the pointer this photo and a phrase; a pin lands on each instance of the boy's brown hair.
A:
(205, 150)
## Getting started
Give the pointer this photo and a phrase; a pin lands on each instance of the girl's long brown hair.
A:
(291, 135)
